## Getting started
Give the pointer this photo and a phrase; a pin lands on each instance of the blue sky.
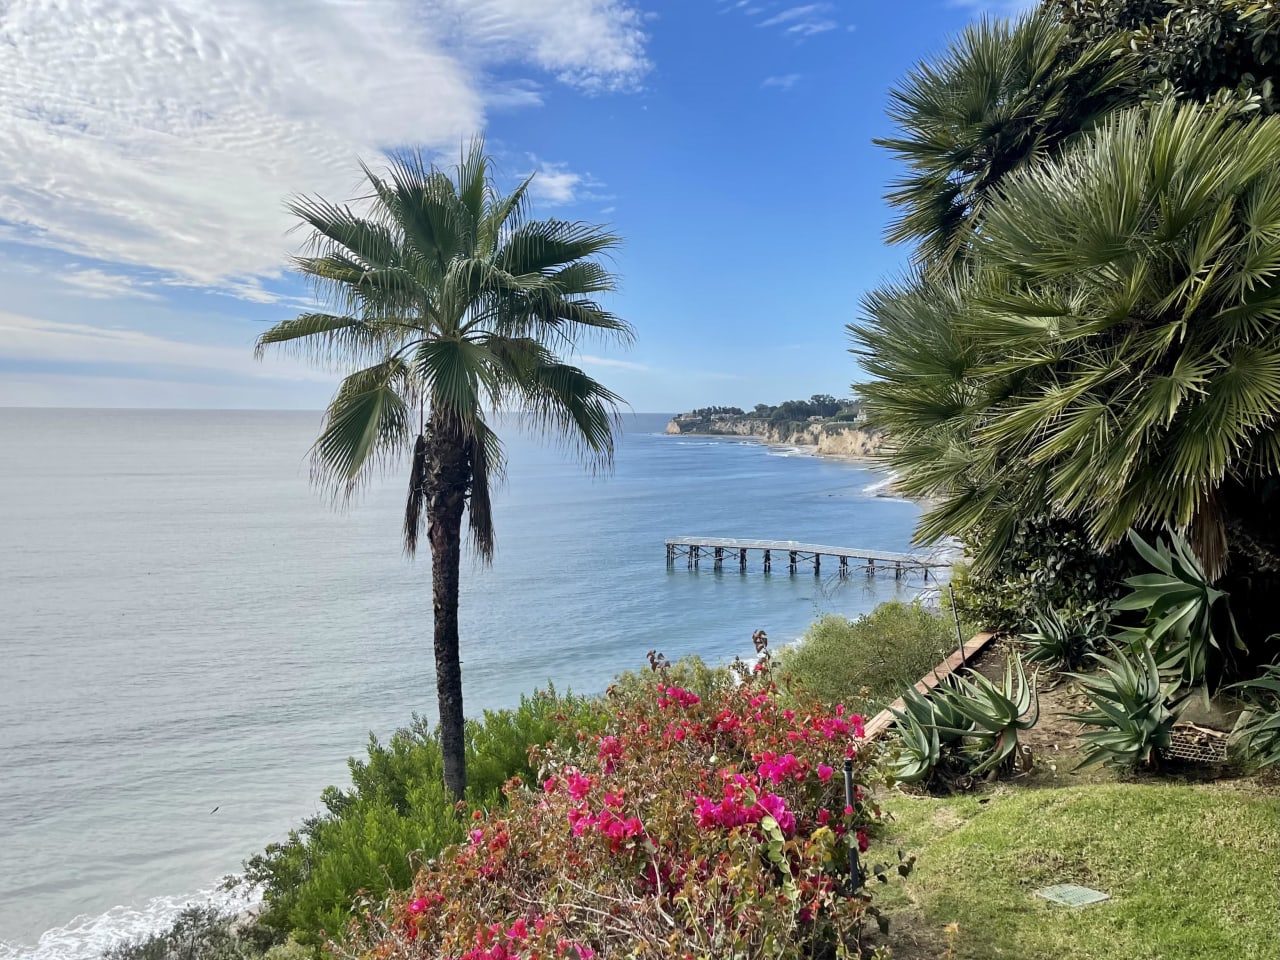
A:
(149, 145)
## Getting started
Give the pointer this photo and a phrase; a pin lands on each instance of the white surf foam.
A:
(88, 937)
(875, 489)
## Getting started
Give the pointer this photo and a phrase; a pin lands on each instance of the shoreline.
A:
(884, 490)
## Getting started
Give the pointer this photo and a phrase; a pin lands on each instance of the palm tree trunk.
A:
(447, 479)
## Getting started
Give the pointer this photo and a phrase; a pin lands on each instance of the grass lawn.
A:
(1193, 870)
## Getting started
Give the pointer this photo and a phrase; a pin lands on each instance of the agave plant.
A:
(1179, 600)
(1255, 739)
(995, 713)
(1133, 710)
(1060, 641)
(964, 725)
(931, 732)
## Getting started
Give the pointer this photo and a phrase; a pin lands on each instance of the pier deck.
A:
(717, 549)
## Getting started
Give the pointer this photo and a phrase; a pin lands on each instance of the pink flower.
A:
(549, 785)
(579, 786)
(824, 772)
(863, 842)
(476, 835)
(848, 811)
(610, 753)
(419, 905)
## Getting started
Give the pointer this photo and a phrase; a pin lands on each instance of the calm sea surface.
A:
(185, 625)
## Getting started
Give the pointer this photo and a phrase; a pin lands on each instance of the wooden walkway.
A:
(718, 549)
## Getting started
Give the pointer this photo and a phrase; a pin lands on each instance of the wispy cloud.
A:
(804, 21)
(164, 134)
(797, 20)
(46, 341)
(783, 82)
(595, 361)
(101, 285)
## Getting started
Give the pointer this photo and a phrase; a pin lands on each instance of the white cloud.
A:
(27, 338)
(166, 133)
(595, 361)
(100, 285)
(555, 184)
(784, 82)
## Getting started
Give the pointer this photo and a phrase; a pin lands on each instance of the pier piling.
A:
(903, 564)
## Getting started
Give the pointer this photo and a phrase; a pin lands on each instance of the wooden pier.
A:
(794, 555)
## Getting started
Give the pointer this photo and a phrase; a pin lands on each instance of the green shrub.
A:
(198, 933)
(373, 837)
(691, 673)
(874, 657)
(1046, 563)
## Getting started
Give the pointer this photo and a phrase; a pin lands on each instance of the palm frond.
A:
(366, 426)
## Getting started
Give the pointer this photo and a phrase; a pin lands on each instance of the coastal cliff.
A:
(831, 439)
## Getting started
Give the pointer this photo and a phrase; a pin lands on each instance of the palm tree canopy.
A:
(450, 301)
(1115, 350)
(1005, 95)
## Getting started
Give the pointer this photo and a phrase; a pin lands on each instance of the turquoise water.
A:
(186, 625)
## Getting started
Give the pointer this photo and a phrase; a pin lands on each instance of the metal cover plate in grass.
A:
(1070, 895)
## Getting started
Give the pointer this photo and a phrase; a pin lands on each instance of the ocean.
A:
(193, 640)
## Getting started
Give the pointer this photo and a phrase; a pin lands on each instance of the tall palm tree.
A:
(452, 305)
(1005, 95)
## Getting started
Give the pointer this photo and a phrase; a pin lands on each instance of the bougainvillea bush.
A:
(691, 826)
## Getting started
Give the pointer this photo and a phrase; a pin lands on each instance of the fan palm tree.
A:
(1005, 95)
(451, 304)
(1114, 353)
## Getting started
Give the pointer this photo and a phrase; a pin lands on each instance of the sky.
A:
(149, 147)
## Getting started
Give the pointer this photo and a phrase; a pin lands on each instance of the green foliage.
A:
(1003, 96)
(1045, 563)
(1062, 642)
(1179, 605)
(876, 656)
(966, 726)
(198, 933)
(1256, 736)
(1112, 358)
(706, 413)
(1133, 713)
(1197, 49)
(397, 814)
(689, 673)
(1091, 336)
